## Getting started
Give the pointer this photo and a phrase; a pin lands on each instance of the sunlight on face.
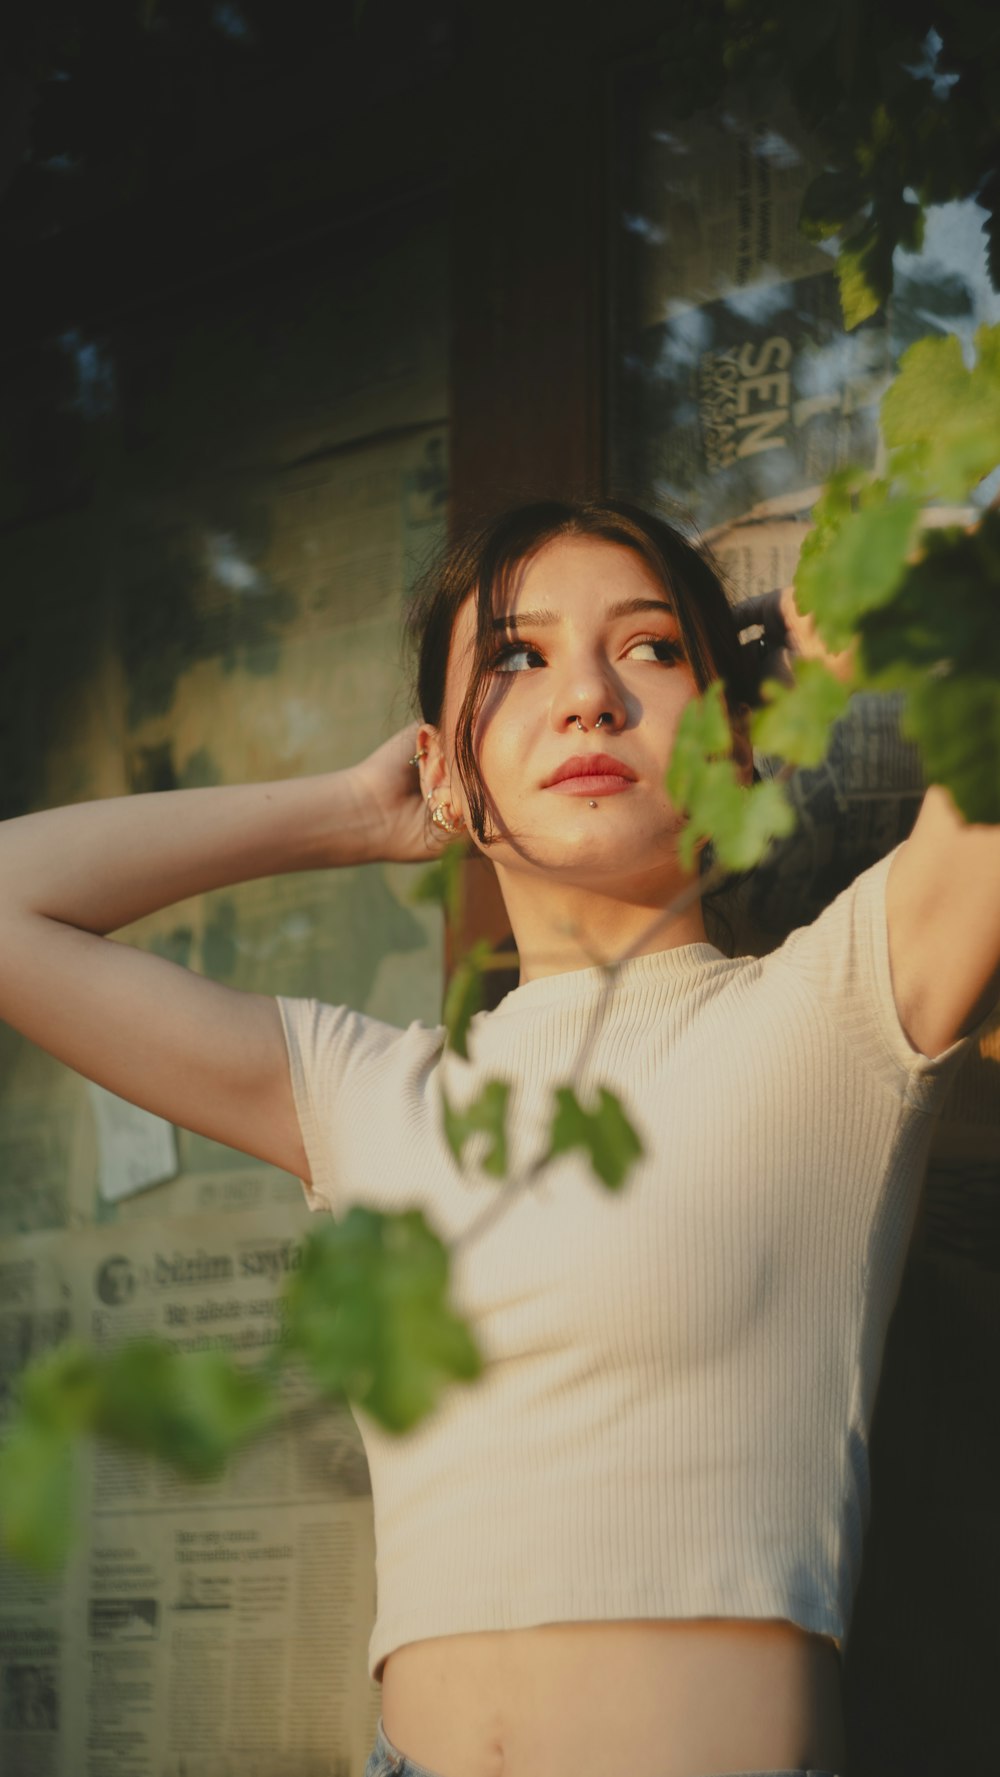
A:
(589, 678)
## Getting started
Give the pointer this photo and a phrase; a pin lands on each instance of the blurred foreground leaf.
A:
(855, 561)
(37, 1494)
(486, 1115)
(795, 722)
(61, 1389)
(945, 613)
(956, 723)
(606, 1134)
(941, 420)
(441, 882)
(367, 1311)
(192, 1409)
(740, 820)
(464, 997)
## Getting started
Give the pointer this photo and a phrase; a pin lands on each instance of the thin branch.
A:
(695, 891)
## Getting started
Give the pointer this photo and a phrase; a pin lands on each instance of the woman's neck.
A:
(559, 927)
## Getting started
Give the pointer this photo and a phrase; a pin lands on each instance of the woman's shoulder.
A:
(841, 960)
(328, 1035)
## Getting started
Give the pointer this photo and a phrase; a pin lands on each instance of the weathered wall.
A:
(260, 472)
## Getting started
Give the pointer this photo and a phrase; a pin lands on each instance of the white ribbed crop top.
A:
(674, 1417)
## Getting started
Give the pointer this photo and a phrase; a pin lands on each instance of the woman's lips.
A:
(592, 774)
(600, 784)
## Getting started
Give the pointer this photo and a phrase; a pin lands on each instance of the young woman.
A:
(632, 1546)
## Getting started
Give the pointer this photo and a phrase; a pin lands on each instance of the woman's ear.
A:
(437, 781)
(433, 768)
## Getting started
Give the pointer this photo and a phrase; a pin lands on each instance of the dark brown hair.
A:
(483, 564)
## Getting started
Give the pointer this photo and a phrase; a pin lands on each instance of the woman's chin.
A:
(591, 857)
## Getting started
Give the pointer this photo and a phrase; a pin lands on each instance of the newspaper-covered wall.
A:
(228, 611)
(209, 1629)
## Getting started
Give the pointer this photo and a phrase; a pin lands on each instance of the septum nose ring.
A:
(603, 717)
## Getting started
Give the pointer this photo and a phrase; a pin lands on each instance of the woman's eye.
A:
(515, 657)
(660, 648)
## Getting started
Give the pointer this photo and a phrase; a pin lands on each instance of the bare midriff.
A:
(654, 1699)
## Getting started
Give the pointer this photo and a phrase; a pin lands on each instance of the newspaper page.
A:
(735, 380)
(36, 1612)
(202, 1629)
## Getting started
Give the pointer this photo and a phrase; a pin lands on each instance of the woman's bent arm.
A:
(208, 1057)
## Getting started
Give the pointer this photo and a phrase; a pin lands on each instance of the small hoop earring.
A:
(441, 820)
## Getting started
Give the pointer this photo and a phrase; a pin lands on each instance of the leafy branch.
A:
(903, 124)
(898, 100)
(367, 1312)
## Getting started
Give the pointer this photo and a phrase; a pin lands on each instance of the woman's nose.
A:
(589, 699)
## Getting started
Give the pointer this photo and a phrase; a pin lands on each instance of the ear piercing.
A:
(440, 819)
(417, 756)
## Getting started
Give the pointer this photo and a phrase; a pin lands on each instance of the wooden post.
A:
(528, 347)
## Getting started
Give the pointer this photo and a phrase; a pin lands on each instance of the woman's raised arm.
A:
(943, 891)
(208, 1057)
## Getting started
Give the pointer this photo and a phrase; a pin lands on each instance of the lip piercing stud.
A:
(591, 803)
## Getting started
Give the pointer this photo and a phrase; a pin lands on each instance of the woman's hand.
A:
(804, 639)
(787, 632)
(387, 784)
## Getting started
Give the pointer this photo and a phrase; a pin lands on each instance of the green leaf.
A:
(37, 1494)
(60, 1390)
(864, 273)
(703, 733)
(855, 564)
(367, 1311)
(465, 996)
(191, 1409)
(486, 1115)
(795, 723)
(838, 499)
(606, 1134)
(944, 612)
(741, 820)
(941, 420)
(955, 721)
(441, 882)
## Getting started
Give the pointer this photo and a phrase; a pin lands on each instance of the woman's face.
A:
(591, 634)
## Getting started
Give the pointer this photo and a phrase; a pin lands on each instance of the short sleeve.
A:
(332, 1052)
(843, 960)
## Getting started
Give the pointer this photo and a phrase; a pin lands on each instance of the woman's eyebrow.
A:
(545, 619)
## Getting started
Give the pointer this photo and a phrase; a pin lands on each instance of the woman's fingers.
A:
(805, 639)
(763, 610)
(760, 620)
(392, 783)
